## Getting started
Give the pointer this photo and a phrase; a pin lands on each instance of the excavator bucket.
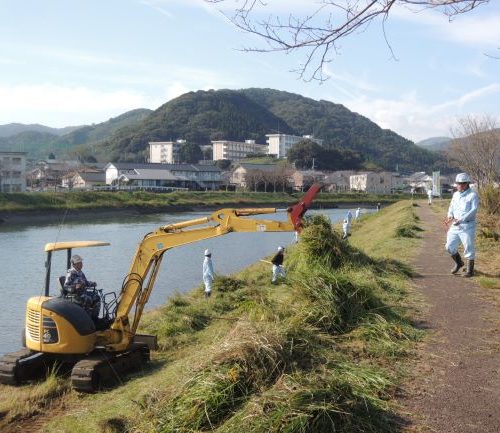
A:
(297, 211)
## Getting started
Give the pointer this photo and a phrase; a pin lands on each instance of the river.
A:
(23, 271)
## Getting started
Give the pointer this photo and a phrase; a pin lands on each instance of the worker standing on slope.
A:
(461, 223)
(429, 195)
(348, 216)
(346, 228)
(278, 269)
(208, 273)
(357, 214)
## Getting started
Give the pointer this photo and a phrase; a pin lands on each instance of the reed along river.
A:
(22, 259)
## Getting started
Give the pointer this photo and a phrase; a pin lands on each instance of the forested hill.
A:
(251, 113)
(199, 117)
(76, 143)
(342, 128)
(11, 129)
(101, 131)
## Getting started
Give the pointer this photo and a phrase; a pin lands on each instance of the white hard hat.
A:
(462, 178)
(280, 249)
(208, 252)
(76, 259)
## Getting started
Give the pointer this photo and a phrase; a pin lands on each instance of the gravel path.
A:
(457, 388)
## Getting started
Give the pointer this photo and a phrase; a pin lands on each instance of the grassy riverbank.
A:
(323, 351)
(76, 200)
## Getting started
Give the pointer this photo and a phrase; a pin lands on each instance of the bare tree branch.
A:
(476, 149)
(318, 34)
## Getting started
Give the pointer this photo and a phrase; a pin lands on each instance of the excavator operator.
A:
(80, 290)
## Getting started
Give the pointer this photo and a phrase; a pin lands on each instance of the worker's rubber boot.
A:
(458, 263)
(470, 269)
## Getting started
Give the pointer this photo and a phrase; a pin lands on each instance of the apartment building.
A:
(280, 144)
(13, 171)
(236, 150)
(165, 152)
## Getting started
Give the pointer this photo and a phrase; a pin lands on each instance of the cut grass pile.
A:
(318, 355)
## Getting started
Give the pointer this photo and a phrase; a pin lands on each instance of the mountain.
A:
(37, 144)
(11, 129)
(77, 140)
(101, 131)
(251, 113)
(198, 117)
(435, 143)
(344, 129)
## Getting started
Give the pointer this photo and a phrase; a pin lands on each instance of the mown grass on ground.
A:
(323, 351)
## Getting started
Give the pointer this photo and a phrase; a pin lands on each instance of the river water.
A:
(22, 259)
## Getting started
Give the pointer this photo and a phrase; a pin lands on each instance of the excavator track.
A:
(101, 369)
(23, 365)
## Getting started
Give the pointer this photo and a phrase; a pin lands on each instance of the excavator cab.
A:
(99, 306)
(63, 323)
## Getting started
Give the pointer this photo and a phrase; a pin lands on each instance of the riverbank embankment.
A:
(323, 350)
(26, 208)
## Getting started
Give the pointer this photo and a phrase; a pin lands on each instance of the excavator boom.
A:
(140, 280)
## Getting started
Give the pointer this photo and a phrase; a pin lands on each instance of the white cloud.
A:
(480, 27)
(174, 90)
(358, 83)
(154, 5)
(415, 119)
(71, 105)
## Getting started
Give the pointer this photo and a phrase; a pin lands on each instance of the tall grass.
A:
(295, 366)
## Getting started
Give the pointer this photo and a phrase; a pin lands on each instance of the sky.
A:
(75, 62)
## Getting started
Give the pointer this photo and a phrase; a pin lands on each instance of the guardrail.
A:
(138, 188)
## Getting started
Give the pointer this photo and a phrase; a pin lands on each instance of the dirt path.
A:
(457, 388)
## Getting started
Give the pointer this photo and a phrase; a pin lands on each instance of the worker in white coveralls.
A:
(208, 273)
(461, 223)
(357, 214)
(346, 228)
(429, 196)
(278, 269)
(348, 216)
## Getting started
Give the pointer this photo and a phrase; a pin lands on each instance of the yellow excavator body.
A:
(49, 329)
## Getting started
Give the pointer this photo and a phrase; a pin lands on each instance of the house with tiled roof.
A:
(192, 176)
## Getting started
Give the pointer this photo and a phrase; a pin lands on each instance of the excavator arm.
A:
(139, 282)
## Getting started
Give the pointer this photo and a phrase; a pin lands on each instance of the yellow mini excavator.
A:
(98, 350)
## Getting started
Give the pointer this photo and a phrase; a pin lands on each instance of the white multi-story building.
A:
(236, 150)
(12, 171)
(373, 183)
(165, 152)
(280, 144)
